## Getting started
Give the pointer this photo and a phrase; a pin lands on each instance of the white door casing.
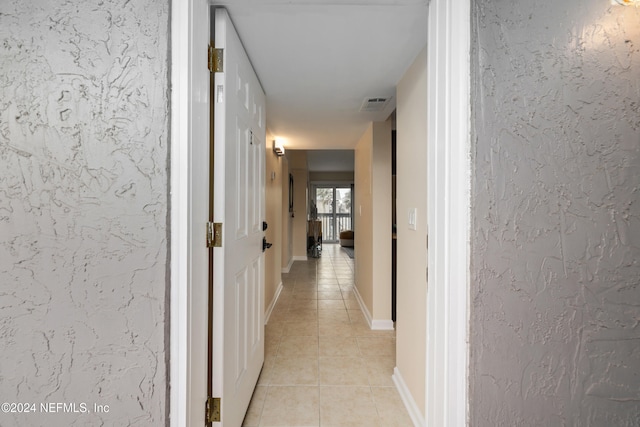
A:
(190, 28)
(448, 216)
(189, 128)
(238, 266)
(189, 211)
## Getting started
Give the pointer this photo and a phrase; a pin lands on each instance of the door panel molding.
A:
(187, 341)
(238, 204)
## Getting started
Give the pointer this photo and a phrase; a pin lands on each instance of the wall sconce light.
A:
(635, 3)
(278, 148)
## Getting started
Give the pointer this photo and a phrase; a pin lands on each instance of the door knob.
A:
(265, 245)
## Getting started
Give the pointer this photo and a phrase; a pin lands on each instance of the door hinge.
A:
(212, 411)
(215, 58)
(214, 234)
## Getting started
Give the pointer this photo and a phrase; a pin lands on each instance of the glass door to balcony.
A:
(334, 210)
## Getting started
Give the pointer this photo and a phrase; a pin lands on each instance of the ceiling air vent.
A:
(374, 104)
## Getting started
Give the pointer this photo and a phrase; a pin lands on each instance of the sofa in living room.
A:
(346, 238)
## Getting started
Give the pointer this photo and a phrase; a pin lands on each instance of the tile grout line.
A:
(302, 276)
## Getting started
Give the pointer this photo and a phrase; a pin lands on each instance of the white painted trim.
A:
(188, 305)
(374, 324)
(448, 181)
(407, 399)
(363, 306)
(287, 269)
(299, 258)
(446, 393)
(273, 303)
(179, 191)
(382, 325)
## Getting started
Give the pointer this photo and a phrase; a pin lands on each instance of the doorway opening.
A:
(333, 205)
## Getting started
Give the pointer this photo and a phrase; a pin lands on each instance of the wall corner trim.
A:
(407, 399)
(374, 324)
(287, 269)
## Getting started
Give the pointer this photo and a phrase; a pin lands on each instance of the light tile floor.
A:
(323, 365)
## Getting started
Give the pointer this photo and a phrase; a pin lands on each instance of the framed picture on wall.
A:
(291, 194)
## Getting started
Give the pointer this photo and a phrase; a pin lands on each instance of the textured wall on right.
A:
(555, 240)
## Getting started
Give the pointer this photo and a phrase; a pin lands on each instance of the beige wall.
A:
(382, 226)
(286, 219)
(372, 224)
(331, 176)
(363, 217)
(298, 168)
(273, 216)
(411, 178)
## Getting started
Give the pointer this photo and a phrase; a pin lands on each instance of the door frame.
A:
(448, 212)
(314, 185)
(186, 340)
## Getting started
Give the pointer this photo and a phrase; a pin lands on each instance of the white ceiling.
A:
(319, 59)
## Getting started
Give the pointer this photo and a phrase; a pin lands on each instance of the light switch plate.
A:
(413, 213)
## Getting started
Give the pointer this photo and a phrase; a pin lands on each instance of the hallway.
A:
(323, 365)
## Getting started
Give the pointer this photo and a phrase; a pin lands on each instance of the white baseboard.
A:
(374, 324)
(287, 269)
(382, 325)
(274, 300)
(363, 306)
(407, 399)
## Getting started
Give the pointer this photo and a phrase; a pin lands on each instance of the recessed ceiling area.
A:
(318, 60)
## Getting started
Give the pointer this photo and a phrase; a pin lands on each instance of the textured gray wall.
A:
(83, 209)
(555, 276)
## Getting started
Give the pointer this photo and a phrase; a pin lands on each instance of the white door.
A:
(238, 266)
